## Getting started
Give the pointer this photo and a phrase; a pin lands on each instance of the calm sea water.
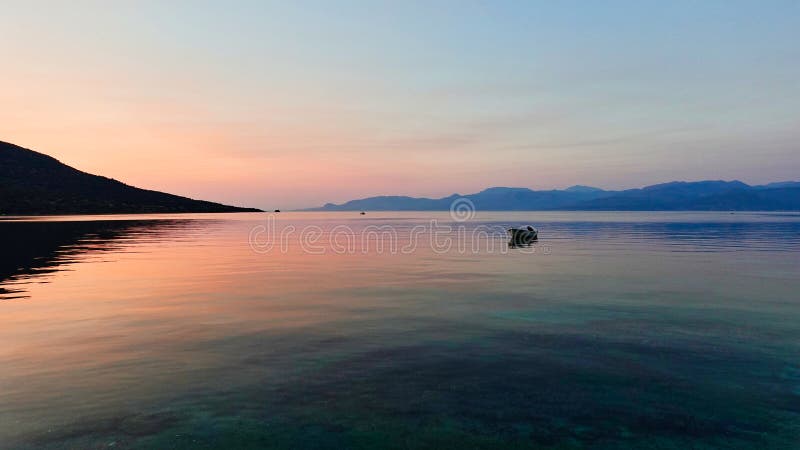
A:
(391, 330)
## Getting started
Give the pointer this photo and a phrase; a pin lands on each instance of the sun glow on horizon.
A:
(292, 106)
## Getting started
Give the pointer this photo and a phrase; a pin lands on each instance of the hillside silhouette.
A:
(32, 183)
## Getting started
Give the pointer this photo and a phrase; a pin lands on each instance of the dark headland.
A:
(32, 183)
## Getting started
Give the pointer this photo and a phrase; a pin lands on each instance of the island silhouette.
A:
(708, 195)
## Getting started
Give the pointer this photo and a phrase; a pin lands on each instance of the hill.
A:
(32, 183)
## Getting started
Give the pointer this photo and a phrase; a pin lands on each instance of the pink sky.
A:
(287, 107)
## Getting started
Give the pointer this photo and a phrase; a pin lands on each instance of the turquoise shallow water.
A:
(307, 330)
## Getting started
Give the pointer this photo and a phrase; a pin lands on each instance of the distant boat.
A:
(363, 213)
(523, 236)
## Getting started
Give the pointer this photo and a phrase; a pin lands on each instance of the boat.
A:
(523, 236)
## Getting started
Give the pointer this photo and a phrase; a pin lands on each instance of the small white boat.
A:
(523, 236)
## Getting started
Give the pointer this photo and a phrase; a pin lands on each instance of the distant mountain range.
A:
(33, 183)
(674, 196)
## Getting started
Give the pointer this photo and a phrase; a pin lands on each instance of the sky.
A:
(295, 104)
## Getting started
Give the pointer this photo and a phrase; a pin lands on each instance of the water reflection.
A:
(32, 249)
(627, 334)
(678, 236)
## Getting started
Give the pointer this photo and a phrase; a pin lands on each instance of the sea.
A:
(401, 330)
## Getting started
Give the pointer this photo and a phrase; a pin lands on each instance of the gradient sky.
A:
(294, 104)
